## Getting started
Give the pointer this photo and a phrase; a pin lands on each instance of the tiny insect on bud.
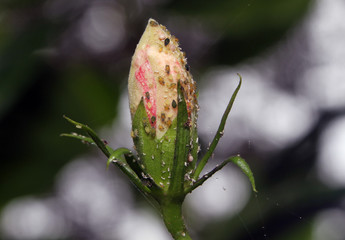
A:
(173, 104)
(153, 119)
(167, 69)
(166, 41)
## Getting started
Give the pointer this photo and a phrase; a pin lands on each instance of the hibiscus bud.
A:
(158, 68)
(157, 65)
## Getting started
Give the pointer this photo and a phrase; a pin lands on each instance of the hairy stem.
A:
(172, 215)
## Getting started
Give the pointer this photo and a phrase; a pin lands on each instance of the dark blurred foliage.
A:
(46, 71)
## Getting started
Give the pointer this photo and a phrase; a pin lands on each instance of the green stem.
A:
(173, 219)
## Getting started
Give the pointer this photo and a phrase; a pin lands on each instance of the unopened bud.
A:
(158, 69)
(157, 66)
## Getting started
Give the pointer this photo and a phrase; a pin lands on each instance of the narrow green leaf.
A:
(243, 165)
(240, 162)
(83, 138)
(92, 134)
(219, 133)
(182, 146)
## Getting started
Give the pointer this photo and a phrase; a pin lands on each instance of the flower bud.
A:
(157, 65)
(158, 68)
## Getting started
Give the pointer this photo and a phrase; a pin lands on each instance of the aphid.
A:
(153, 23)
(147, 95)
(161, 128)
(187, 124)
(172, 85)
(161, 80)
(153, 119)
(176, 40)
(147, 129)
(166, 41)
(153, 132)
(174, 104)
(166, 106)
(169, 122)
(163, 117)
(167, 69)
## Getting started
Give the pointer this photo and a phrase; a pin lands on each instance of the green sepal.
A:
(155, 155)
(84, 139)
(182, 146)
(238, 161)
(100, 144)
(243, 165)
(80, 137)
(121, 157)
(219, 133)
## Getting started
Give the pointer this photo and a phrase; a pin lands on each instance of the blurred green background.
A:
(72, 57)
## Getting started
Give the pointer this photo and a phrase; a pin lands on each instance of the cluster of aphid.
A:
(178, 72)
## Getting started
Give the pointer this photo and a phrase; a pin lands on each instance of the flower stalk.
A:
(163, 105)
(172, 215)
